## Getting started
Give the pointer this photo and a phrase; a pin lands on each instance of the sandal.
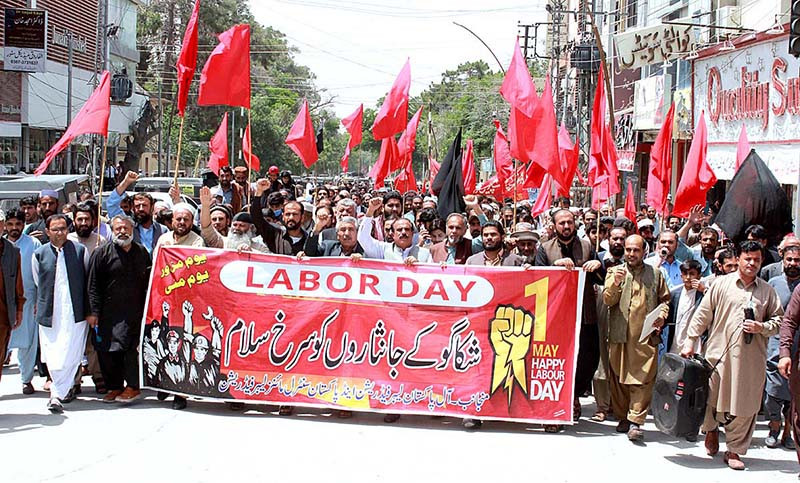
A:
(599, 416)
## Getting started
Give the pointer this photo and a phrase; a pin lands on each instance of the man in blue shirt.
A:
(665, 260)
(147, 231)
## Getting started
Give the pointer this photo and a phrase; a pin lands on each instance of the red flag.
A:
(407, 142)
(225, 78)
(302, 139)
(543, 201)
(405, 181)
(391, 119)
(630, 204)
(249, 158)
(568, 158)
(660, 172)
(518, 89)
(187, 60)
(433, 169)
(387, 156)
(218, 145)
(698, 177)
(352, 124)
(545, 137)
(502, 157)
(743, 148)
(468, 168)
(91, 119)
(603, 153)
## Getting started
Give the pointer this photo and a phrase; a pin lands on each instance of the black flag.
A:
(755, 197)
(320, 144)
(448, 185)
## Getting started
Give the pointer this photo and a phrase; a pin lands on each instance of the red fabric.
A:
(742, 148)
(433, 169)
(407, 143)
(405, 181)
(187, 60)
(218, 145)
(301, 138)
(603, 153)
(91, 119)
(468, 168)
(698, 177)
(353, 125)
(502, 157)
(380, 170)
(518, 89)
(391, 119)
(534, 174)
(545, 137)
(249, 158)
(630, 204)
(568, 158)
(225, 79)
(660, 172)
(544, 200)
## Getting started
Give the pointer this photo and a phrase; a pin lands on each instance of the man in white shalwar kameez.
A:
(60, 277)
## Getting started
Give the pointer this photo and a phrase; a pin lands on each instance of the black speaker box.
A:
(680, 395)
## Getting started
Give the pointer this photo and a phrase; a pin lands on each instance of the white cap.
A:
(184, 207)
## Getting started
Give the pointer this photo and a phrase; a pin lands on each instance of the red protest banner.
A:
(465, 341)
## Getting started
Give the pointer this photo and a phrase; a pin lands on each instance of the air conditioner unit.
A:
(728, 17)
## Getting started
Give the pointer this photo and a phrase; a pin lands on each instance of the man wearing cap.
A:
(24, 338)
(12, 291)
(240, 237)
(647, 230)
(147, 230)
(48, 205)
(221, 219)
(181, 233)
(232, 194)
(240, 178)
(526, 241)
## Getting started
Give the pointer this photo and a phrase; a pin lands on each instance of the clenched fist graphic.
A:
(510, 335)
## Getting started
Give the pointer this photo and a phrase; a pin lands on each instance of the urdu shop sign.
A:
(757, 86)
(24, 40)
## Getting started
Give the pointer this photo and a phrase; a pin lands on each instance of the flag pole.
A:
(102, 176)
(249, 153)
(178, 154)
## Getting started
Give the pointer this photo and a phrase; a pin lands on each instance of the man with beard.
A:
(402, 249)
(25, 338)
(568, 251)
(182, 234)
(240, 178)
(632, 291)
(392, 209)
(117, 286)
(61, 308)
(48, 205)
(527, 242)
(232, 194)
(147, 231)
(647, 231)
(778, 399)
(775, 269)
(28, 206)
(85, 223)
(12, 290)
(736, 387)
(704, 253)
(288, 239)
(601, 388)
(345, 244)
(493, 254)
(240, 237)
(455, 249)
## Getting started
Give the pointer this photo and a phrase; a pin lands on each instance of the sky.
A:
(356, 48)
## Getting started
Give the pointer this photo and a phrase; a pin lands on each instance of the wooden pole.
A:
(102, 176)
(178, 154)
(249, 153)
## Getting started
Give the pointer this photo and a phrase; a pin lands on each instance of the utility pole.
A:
(170, 45)
(68, 167)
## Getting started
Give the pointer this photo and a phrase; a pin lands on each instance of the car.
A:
(188, 186)
(68, 187)
(157, 196)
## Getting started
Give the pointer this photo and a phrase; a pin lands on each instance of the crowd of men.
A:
(74, 285)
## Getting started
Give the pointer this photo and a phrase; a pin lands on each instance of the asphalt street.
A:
(148, 441)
